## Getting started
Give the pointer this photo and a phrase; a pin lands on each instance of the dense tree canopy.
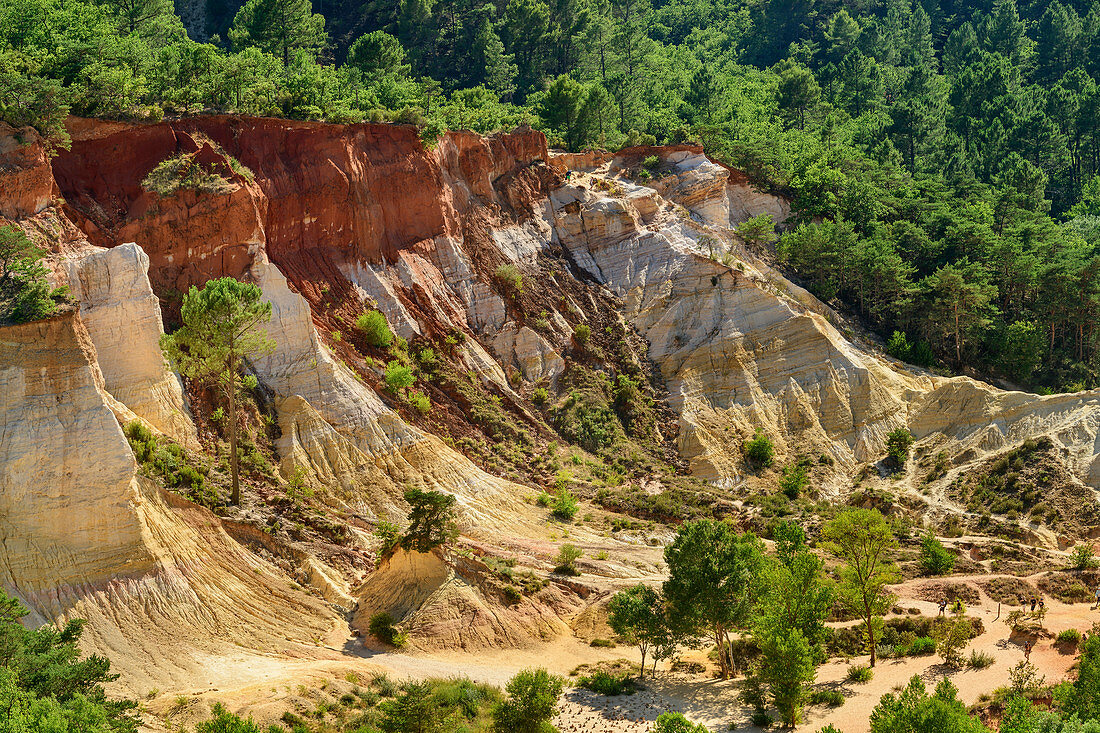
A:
(943, 157)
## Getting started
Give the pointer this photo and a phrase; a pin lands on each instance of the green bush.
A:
(25, 293)
(761, 719)
(183, 171)
(1083, 556)
(398, 377)
(389, 533)
(935, 559)
(510, 277)
(566, 560)
(676, 723)
(979, 660)
(1069, 636)
(898, 443)
(859, 673)
(922, 646)
(540, 396)
(582, 332)
(651, 163)
(760, 450)
(544, 499)
(606, 683)
(793, 480)
(419, 401)
(375, 328)
(532, 701)
(832, 698)
(382, 627)
(565, 505)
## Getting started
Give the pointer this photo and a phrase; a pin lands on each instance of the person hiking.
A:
(1027, 650)
(1098, 596)
(943, 606)
(1033, 605)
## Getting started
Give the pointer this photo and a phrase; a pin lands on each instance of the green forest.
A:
(942, 156)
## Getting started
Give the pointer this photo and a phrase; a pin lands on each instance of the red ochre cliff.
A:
(321, 195)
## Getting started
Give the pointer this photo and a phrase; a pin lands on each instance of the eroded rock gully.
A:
(330, 220)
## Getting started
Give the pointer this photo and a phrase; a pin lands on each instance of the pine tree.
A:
(279, 27)
(221, 329)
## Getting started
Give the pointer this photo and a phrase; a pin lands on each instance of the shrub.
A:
(544, 499)
(921, 646)
(676, 723)
(183, 171)
(398, 376)
(832, 698)
(898, 346)
(389, 533)
(860, 673)
(419, 401)
(382, 627)
(565, 506)
(898, 443)
(25, 293)
(567, 558)
(651, 163)
(606, 683)
(760, 449)
(510, 277)
(979, 660)
(540, 396)
(793, 480)
(934, 557)
(532, 702)
(375, 328)
(1083, 556)
(1069, 636)
(602, 644)
(581, 333)
(511, 594)
(761, 719)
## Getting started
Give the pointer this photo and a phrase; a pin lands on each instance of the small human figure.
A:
(1027, 650)
(1098, 596)
(568, 175)
(1042, 605)
(1032, 605)
(943, 606)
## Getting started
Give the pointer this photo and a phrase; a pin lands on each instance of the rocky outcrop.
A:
(450, 603)
(85, 537)
(25, 168)
(122, 316)
(528, 351)
(67, 484)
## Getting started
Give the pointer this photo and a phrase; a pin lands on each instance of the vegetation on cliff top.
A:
(25, 294)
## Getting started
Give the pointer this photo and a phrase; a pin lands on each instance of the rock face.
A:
(740, 348)
(122, 316)
(446, 605)
(28, 180)
(67, 482)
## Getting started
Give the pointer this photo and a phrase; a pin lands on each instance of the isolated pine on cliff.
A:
(220, 330)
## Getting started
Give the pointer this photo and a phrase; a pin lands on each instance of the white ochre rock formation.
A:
(123, 319)
(741, 348)
(332, 423)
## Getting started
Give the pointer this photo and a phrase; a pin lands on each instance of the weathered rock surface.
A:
(447, 604)
(122, 316)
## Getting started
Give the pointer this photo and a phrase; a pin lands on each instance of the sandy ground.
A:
(260, 684)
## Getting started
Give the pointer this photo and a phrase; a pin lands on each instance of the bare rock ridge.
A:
(331, 220)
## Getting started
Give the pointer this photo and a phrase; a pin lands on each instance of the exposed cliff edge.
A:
(333, 220)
